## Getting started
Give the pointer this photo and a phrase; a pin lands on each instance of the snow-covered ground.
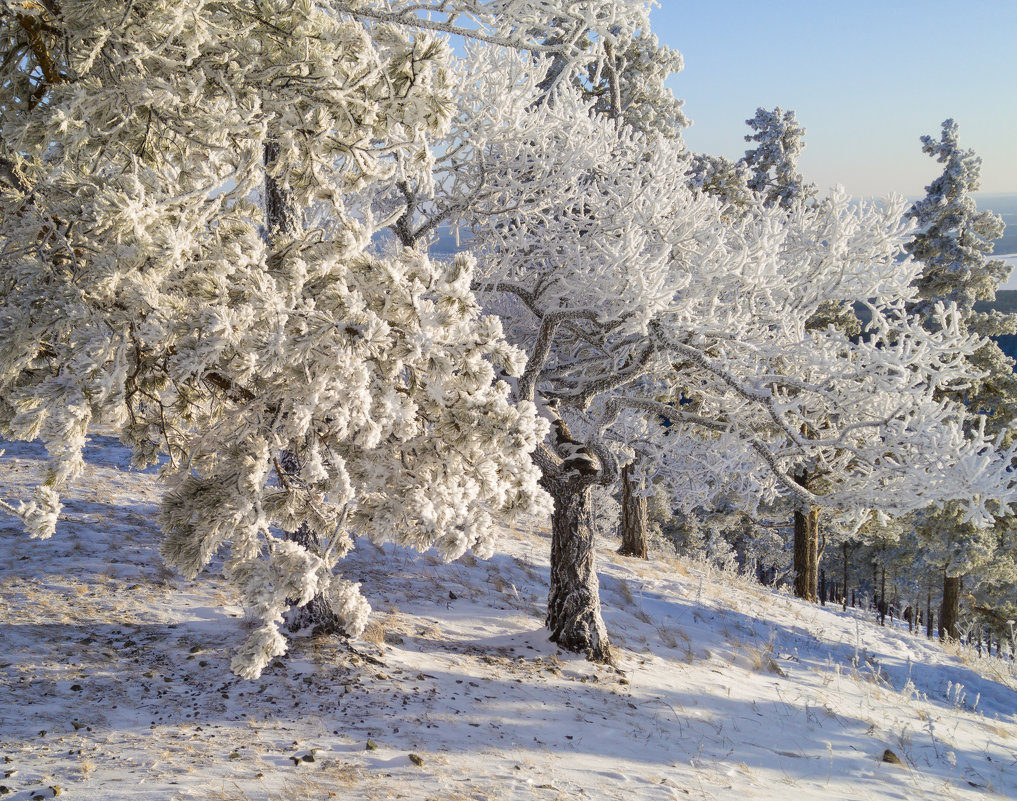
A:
(115, 682)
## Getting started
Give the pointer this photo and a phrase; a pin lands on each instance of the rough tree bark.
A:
(573, 601)
(806, 555)
(634, 515)
(949, 611)
(806, 548)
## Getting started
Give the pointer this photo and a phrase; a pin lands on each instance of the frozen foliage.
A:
(39, 515)
(628, 84)
(955, 238)
(721, 178)
(954, 242)
(716, 314)
(139, 288)
(640, 298)
(774, 162)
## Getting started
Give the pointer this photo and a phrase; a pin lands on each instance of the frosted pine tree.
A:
(629, 87)
(955, 239)
(142, 288)
(954, 243)
(723, 179)
(628, 300)
(774, 175)
(774, 161)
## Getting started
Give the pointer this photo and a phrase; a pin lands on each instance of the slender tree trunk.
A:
(573, 603)
(843, 589)
(634, 515)
(950, 609)
(806, 555)
(928, 615)
(882, 597)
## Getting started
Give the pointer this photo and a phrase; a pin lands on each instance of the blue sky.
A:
(866, 78)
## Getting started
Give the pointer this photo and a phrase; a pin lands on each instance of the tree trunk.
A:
(633, 515)
(280, 213)
(882, 597)
(928, 615)
(806, 556)
(573, 602)
(316, 615)
(282, 224)
(843, 589)
(950, 610)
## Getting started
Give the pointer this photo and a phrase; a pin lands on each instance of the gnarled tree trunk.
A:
(634, 515)
(573, 602)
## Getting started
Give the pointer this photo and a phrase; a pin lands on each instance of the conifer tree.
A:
(624, 296)
(182, 258)
(954, 243)
(774, 176)
(774, 161)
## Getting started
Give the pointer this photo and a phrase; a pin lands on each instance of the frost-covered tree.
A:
(774, 176)
(488, 119)
(954, 242)
(183, 257)
(955, 239)
(773, 163)
(634, 295)
(628, 83)
(723, 179)
(635, 514)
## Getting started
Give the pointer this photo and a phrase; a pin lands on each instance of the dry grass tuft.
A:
(343, 772)
(374, 633)
(762, 660)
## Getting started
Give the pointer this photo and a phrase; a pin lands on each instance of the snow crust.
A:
(115, 680)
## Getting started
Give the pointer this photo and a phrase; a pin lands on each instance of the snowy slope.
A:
(114, 681)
